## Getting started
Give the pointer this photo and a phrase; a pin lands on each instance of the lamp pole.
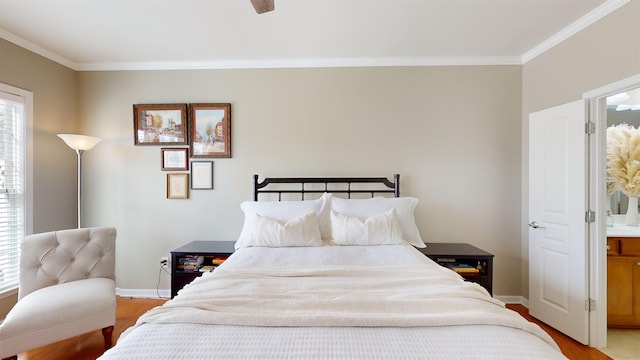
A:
(79, 143)
(79, 152)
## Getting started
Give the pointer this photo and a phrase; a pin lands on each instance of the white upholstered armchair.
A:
(66, 289)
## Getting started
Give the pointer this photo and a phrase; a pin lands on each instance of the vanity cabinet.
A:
(623, 282)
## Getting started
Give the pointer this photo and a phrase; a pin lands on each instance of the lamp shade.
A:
(79, 142)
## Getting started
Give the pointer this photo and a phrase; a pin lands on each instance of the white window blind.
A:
(12, 186)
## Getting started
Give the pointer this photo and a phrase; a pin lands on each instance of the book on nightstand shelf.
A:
(218, 260)
(463, 269)
(215, 262)
(190, 263)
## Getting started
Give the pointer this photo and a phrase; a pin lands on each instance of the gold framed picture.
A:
(177, 186)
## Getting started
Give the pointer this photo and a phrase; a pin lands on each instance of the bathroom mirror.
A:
(622, 108)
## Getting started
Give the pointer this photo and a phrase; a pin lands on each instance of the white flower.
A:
(623, 159)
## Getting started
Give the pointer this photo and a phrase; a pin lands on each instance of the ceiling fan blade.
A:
(263, 6)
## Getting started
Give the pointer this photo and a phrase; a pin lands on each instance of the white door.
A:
(558, 274)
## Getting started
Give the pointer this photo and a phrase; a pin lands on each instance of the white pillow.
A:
(301, 231)
(284, 211)
(364, 208)
(381, 229)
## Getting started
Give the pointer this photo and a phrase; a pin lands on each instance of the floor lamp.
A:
(79, 143)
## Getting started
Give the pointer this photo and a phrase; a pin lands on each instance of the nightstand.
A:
(187, 259)
(458, 253)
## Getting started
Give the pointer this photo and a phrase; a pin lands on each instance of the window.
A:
(15, 109)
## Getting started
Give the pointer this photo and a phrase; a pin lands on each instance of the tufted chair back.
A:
(66, 255)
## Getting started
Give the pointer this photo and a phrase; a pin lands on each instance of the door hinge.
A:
(590, 305)
(589, 216)
(590, 127)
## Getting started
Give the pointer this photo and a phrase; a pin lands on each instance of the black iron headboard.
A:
(298, 186)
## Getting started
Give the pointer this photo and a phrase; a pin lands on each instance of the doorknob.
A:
(535, 225)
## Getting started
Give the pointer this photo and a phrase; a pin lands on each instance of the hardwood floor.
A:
(89, 346)
(570, 348)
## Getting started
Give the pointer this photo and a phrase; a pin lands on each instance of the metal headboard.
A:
(298, 186)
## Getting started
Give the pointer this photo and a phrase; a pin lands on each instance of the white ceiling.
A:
(179, 34)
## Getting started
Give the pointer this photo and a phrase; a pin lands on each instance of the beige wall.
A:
(607, 51)
(55, 108)
(453, 133)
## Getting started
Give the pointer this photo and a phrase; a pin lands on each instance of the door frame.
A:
(596, 200)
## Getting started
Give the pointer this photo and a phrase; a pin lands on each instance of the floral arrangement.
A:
(611, 187)
(623, 159)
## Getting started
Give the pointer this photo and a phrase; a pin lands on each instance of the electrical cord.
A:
(162, 267)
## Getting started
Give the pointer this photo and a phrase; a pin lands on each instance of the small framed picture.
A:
(201, 175)
(177, 186)
(210, 130)
(174, 159)
(160, 124)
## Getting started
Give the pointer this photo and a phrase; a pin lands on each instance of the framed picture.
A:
(201, 175)
(174, 159)
(177, 186)
(210, 126)
(160, 124)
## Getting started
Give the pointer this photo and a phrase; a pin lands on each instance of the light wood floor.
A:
(90, 346)
(623, 344)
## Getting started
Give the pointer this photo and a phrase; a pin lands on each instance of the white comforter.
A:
(398, 296)
(255, 290)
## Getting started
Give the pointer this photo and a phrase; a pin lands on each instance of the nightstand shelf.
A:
(456, 253)
(208, 250)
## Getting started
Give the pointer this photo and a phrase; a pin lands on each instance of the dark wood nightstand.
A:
(457, 253)
(188, 254)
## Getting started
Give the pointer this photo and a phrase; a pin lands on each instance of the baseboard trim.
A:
(144, 293)
(513, 299)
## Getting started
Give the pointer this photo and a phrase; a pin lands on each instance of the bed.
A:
(331, 275)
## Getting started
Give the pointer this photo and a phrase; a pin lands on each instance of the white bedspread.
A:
(398, 296)
(328, 298)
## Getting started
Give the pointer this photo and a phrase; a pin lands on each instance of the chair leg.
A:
(107, 334)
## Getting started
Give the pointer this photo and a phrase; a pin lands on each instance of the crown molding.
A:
(582, 23)
(37, 49)
(302, 63)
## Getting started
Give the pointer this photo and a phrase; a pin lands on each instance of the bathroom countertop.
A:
(621, 230)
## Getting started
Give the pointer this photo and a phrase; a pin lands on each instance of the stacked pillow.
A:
(365, 208)
(283, 212)
(378, 229)
(373, 221)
